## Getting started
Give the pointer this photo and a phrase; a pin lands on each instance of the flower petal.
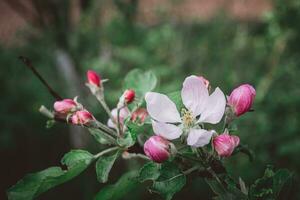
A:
(199, 137)
(168, 131)
(161, 108)
(214, 108)
(194, 94)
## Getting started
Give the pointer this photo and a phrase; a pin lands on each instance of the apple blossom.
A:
(241, 99)
(93, 78)
(65, 106)
(224, 144)
(205, 81)
(82, 117)
(139, 115)
(157, 149)
(200, 107)
(123, 114)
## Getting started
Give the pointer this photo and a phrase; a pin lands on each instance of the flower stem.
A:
(105, 152)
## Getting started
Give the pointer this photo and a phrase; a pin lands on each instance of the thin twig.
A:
(29, 65)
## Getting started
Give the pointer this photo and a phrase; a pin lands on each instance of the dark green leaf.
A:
(150, 171)
(170, 181)
(127, 183)
(271, 185)
(32, 185)
(104, 165)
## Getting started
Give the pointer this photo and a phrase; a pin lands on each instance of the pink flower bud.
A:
(205, 81)
(225, 144)
(129, 96)
(82, 117)
(241, 99)
(139, 115)
(157, 149)
(93, 78)
(65, 106)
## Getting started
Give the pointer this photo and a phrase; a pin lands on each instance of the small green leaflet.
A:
(127, 183)
(104, 165)
(32, 185)
(141, 82)
(150, 171)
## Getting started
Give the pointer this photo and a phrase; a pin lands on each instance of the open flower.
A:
(123, 114)
(200, 107)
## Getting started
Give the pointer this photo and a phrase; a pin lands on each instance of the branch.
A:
(29, 65)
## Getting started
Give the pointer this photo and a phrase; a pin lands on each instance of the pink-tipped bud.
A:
(65, 106)
(129, 96)
(205, 81)
(82, 117)
(225, 144)
(139, 115)
(157, 149)
(241, 99)
(93, 78)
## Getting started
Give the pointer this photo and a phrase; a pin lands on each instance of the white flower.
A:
(123, 114)
(200, 108)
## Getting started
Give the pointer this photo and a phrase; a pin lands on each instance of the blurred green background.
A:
(65, 38)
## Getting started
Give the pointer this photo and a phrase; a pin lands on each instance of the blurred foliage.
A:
(227, 52)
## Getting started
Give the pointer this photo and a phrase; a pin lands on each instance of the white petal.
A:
(110, 124)
(214, 108)
(199, 137)
(161, 108)
(194, 94)
(168, 131)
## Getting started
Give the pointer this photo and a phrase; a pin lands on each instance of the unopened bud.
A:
(139, 115)
(82, 117)
(225, 144)
(93, 78)
(241, 99)
(157, 149)
(65, 106)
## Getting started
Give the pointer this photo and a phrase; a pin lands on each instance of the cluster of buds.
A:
(71, 109)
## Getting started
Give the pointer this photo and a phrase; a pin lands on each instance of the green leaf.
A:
(137, 129)
(271, 185)
(176, 98)
(32, 185)
(99, 136)
(141, 82)
(104, 165)
(128, 140)
(150, 171)
(127, 183)
(170, 181)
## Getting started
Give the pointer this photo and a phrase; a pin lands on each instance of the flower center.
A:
(187, 117)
